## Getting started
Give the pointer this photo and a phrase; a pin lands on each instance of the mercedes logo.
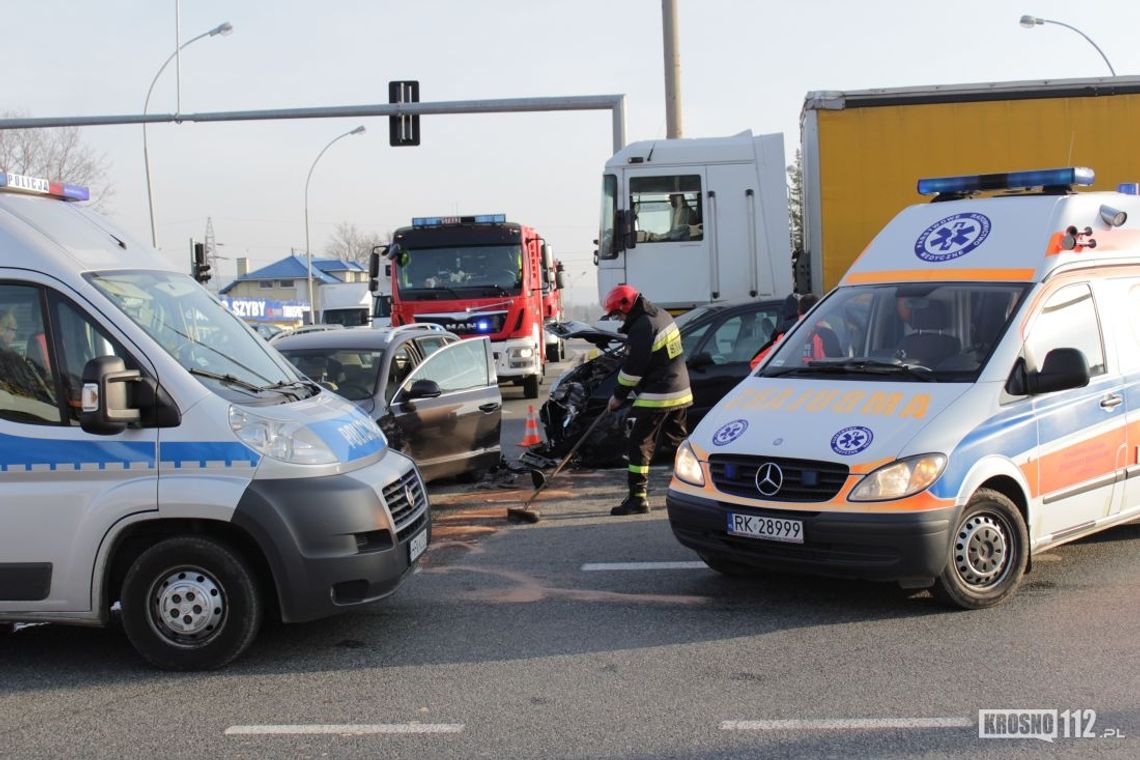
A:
(769, 479)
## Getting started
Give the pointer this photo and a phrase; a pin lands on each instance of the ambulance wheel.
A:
(190, 603)
(729, 567)
(530, 386)
(988, 554)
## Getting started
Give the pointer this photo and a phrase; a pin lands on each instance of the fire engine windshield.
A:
(462, 271)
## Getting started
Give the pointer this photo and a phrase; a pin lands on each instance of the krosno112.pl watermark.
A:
(1045, 725)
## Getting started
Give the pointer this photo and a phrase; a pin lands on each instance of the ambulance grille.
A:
(405, 499)
(803, 480)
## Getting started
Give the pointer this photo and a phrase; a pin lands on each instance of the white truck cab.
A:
(968, 396)
(694, 221)
(156, 453)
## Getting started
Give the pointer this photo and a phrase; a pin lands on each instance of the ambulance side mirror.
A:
(105, 406)
(1062, 370)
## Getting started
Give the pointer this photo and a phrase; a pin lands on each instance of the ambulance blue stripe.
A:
(1016, 431)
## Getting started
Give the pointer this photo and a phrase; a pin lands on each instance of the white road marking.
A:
(830, 724)
(602, 566)
(347, 729)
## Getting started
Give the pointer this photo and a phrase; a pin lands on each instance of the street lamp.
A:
(1031, 21)
(308, 251)
(223, 29)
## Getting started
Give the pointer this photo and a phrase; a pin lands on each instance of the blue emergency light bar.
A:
(453, 221)
(1128, 188)
(1066, 177)
(20, 183)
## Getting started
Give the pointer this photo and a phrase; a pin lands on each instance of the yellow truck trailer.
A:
(863, 151)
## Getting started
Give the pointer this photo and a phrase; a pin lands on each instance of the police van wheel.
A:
(190, 603)
(729, 567)
(988, 554)
(530, 386)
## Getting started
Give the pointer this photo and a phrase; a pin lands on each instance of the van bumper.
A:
(910, 548)
(330, 542)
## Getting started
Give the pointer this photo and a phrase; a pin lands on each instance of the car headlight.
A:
(687, 467)
(896, 480)
(292, 442)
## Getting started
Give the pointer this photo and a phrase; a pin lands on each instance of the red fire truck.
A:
(475, 276)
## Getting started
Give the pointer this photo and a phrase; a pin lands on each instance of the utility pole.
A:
(673, 126)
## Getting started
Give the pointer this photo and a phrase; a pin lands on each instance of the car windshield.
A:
(495, 269)
(352, 373)
(198, 331)
(909, 332)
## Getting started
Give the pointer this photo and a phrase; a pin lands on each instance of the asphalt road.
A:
(588, 636)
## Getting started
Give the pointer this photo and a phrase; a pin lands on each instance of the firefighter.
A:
(655, 367)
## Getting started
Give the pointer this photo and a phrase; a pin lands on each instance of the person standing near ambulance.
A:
(654, 367)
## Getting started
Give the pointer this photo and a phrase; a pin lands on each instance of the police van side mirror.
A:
(1063, 369)
(105, 406)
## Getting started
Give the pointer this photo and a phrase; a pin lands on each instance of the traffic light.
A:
(404, 130)
(201, 267)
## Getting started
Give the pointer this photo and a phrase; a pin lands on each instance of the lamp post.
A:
(222, 29)
(1029, 22)
(308, 251)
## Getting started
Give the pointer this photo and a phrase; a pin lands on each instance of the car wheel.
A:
(988, 554)
(530, 386)
(552, 352)
(190, 603)
(729, 567)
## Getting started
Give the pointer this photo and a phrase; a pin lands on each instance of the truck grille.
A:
(406, 500)
(800, 480)
(476, 324)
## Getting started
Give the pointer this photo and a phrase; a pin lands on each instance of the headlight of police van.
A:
(687, 467)
(897, 480)
(292, 442)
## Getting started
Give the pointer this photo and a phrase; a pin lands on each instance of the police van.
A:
(968, 396)
(157, 455)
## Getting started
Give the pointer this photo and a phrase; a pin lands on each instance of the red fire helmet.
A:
(620, 299)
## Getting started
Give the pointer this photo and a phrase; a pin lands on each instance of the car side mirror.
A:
(1063, 369)
(105, 401)
(700, 361)
(423, 389)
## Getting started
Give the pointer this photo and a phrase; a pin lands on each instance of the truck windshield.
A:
(205, 337)
(462, 271)
(905, 332)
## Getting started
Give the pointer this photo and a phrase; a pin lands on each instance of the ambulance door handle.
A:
(1110, 402)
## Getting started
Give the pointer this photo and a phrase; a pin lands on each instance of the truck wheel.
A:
(530, 386)
(988, 554)
(729, 567)
(190, 603)
(552, 352)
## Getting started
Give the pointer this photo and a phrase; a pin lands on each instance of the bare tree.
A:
(55, 154)
(351, 244)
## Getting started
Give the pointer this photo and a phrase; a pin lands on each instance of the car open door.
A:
(449, 410)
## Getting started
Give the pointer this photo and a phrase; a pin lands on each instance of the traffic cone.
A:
(530, 435)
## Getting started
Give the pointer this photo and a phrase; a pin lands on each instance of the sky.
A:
(745, 64)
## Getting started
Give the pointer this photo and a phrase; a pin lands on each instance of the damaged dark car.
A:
(719, 341)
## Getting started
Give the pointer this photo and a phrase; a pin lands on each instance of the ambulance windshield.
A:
(202, 335)
(903, 332)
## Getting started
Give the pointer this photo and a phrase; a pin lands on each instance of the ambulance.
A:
(159, 459)
(967, 397)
